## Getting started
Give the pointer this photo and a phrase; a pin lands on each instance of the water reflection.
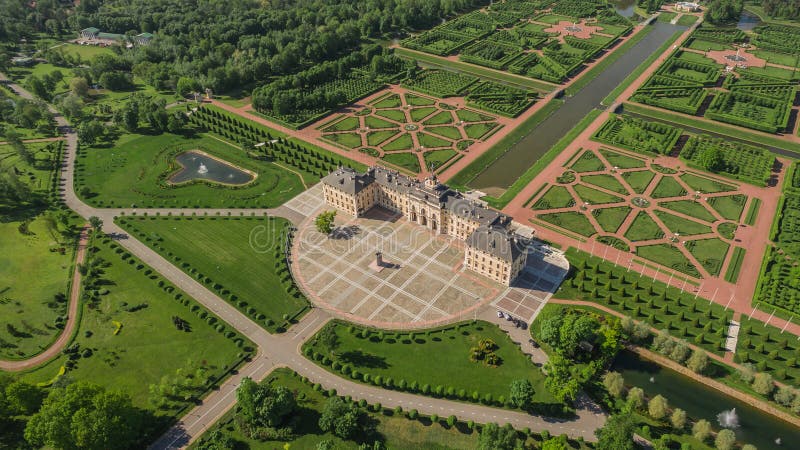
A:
(196, 165)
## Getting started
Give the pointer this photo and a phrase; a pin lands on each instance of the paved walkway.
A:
(72, 315)
(276, 350)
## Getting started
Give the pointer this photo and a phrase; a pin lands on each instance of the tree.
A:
(176, 122)
(494, 437)
(724, 11)
(116, 81)
(698, 362)
(559, 380)
(556, 443)
(79, 87)
(763, 383)
(521, 394)
(89, 131)
(725, 440)
(72, 106)
(680, 352)
(635, 399)
(23, 398)
(262, 406)
(678, 419)
(328, 338)
(217, 440)
(85, 416)
(711, 159)
(616, 434)
(658, 407)
(614, 384)
(96, 223)
(785, 396)
(324, 222)
(186, 86)
(701, 430)
(340, 418)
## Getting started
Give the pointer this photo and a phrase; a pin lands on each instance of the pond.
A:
(197, 165)
(748, 21)
(702, 402)
(624, 8)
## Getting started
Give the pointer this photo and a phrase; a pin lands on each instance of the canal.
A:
(512, 164)
(701, 402)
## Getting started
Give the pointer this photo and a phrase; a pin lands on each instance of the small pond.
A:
(748, 21)
(702, 402)
(196, 165)
(624, 8)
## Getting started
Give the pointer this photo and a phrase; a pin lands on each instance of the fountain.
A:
(737, 57)
(574, 28)
(728, 419)
(652, 379)
(203, 169)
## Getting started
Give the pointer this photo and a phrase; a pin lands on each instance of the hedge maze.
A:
(759, 98)
(743, 162)
(511, 36)
(638, 135)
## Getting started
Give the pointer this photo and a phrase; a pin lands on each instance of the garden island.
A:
(401, 224)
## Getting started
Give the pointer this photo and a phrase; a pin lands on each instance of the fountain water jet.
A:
(728, 419)
(202, 170)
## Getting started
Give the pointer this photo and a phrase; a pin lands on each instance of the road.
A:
(279, 350)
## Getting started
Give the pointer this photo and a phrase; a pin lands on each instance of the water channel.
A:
(199, 166)
(701, 402)
(506, 169)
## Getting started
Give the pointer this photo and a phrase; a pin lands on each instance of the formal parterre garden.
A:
(682, 219)
(242, 259)
(690, 81)
(532, 39)
(476, 361)
(399, 126)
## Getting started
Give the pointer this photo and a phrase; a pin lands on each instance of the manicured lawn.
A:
(570, 220)
(398, 355)
(144, 345)
(405, 160)
(605, 181)
(639, 180)
(445, 131)
(374, 122)
(621, 161)
(479, 130)
(377, 137)
(417, 114)
(349, 140)
(240, 256)
(390, 101)
(441, 118)
(417, 100)
(594, 196)
(706, 185)
(610, 219)
(347, 124)
(130, 174)
(729, 206)
(555, 197)
(699, 44)
(710, 253)
(682, 226)
(430, 141)
(392, 114)
(735, 266)
(588, 162)
(687, 20)
(668, 256)
(436, 158)
(31, 275)
(468, 115)
(668, 187)
(394, 430)
(86, 52)
(402, 142)
(690, 208)
(643, 228)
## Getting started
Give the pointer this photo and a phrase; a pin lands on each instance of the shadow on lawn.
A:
(361, 359)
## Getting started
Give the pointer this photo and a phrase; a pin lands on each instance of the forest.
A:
(784, 9)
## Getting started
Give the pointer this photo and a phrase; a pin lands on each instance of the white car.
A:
(500, 314)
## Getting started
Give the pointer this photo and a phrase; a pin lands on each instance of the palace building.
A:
(492, 249)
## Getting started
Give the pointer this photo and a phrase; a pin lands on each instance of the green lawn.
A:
(706, 185)
(31, 275)
(131, 174)
(729, 206)
(639, 180)
(238, 257)
(588, 162)
(398, 355)
(710, 253)
(437, 158)
(571, 220)
(621, 161)
(440, 118)
(687, 20)
(143, 345)
(610, 219)
(349, 140)
(349, 123)
(445, 131)
(605, 181)
(668, 187)
(555, 197)
(86, 52)
(389, 101)
(374, 122)
(594, 196)
(479, 130)
(690, 208)
(430, 141)
(405, 160)
(377, 137)
(402, 142)
(682, 226)
(392, 114)
(668, 256)
(644, 228)
(418, 100)
(396, 431)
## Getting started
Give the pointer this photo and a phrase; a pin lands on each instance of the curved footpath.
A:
(280, 350)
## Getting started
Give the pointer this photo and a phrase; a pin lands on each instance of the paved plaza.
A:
(422, 281)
